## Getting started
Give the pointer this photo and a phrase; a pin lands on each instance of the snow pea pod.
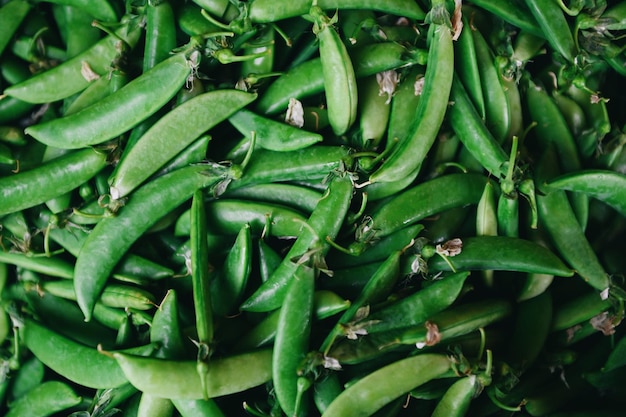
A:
(32, 187)
(423, 200)
(151, 406)
(502, 253)
(606, 186)
(457, 399)
(265, 11)
(113, 295)
(48, 398)
(466, 67)
(113, 236)
(160, 33)
(11, 16)
(553, 24)
(128, 106)
(78, 363)
(52, 266)
(198, 408)
(166, 330)
(300, 198)
(472, 131)
(324, 222)
(66, 79)
(156, 146)
(180, 380)
(97, 90)
(514, 12)
(339, 77)
(271, 134)
(409, 154)
(382, 386)
(292, 338)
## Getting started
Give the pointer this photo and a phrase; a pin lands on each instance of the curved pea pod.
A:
(228, 216)
(113, 236)
(67, 79)
(11, 16)
(312, 163)
(421, 201)
(29, 188)
(97, 90)
(78, 363)
(516, 13)
(292, 338)
(113, 295)
(271, 134)
(128, 106)
(325, 222)
(466, 67)
(186, 123)
(52, 266)
(457, 399)
(502, 253)
(419, 306)
(558, 219)
(497, 110)
(409, 154)
(307, 79)
(403, 104)
(472, 131)
(180, 380)
(339, 78)
(553, 24)
(265, 11)
(578, 310)
(382, 386)
(606, 186)
(227, 288)
(300, 198)
(374, 107)
(48, 398)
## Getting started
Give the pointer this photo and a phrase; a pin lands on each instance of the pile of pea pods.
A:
(329, 208)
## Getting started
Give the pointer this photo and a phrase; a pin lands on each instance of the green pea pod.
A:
(32, 187)
(403, 104)
(113, 295)
(155, 147)
(97, 90)
(128, 106)
(180, 380)
(568, 237)
(578, 310)
(202, 293)
(11, 16)
(409, 154)
(508, 215)
(380, 387)
(78, 363)
(307, 79)
(606, 186)
(466, 67)
(324, 222)
(374, 108)
(502, 253)
(497, 111)
(419, 306)
(516, 13)
(271, 134)
(486, 217)
(229, 216)
(265, 11)
(66, 79)
(81, 35)
(195, 153)
(101, 10)
(228, 287)
(472, 131)
(553, 24)
(29, 376)
(166, 330)
(423, 200)
(48, 398)
(457, 399)
(339, 77)
(300, 198)
(160, 33)
(292, 338)
(52, 266)
(113, 236)
(198, 408)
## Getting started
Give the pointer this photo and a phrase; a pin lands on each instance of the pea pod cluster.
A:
(312, 208)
